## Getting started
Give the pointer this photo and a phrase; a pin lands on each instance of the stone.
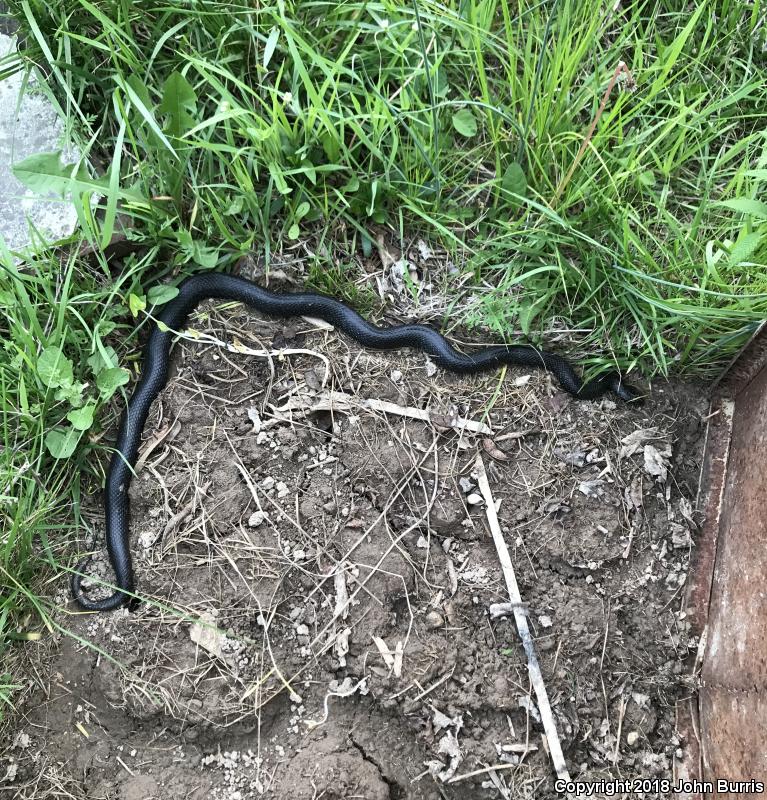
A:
(35, 128)
(434, 620)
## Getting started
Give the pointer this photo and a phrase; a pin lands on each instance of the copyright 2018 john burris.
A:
(659, 786)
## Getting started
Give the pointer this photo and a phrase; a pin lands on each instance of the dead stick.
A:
(618, 70)
(520, 617)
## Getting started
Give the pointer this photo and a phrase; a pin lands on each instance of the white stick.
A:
(340, 402)
(549, 726)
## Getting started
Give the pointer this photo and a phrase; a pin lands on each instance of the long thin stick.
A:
(520, 617)
(618, 70)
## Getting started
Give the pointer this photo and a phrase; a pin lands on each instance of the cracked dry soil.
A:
(321, 574)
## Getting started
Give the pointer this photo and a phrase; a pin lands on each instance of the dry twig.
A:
(544, 707)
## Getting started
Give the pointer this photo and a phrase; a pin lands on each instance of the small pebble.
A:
(474, 499)
(434, 620)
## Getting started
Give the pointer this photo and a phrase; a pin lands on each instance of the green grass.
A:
(220, 129)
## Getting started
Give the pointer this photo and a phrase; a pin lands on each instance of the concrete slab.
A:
(29, 124)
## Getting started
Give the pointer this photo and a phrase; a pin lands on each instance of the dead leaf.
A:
(635, 440)
(205, 634)
(424, 250)
(255, 418)
(452, 576)
(440, 720)
(389, 255)
(591, 488)
(493, 451)
(448, 745)
(685, 509)
(341, 646)
(573, 458)
(442, 422)
(559, 401)
(656, 462)
(634, 495)
(680, 536)
(313, 381)
(341, 608)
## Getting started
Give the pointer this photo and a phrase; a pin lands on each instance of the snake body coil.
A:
(227, 287)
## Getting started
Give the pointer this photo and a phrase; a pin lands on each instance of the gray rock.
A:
(35, 128)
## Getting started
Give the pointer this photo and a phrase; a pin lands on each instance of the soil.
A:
(269, 494)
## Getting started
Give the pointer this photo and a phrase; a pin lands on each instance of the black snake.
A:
(154, 376)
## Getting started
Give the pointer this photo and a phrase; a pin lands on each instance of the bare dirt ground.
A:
(320, 576)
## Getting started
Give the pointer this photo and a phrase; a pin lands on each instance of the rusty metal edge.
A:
(701, 577)
(746, 365)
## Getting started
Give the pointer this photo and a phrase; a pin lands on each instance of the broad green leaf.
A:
(159, 295)
(279, 179)
(179, 102)
(140, 90)
(54, 368)
(465, 122)
(746, 206)
(110, 380)
(367, 245)
(144, 111)
(235, 207)
(293, 231)
(514, 179)
(82, 418)
(184, 238)
(302, 210)
(271, 44)
(744, 248)
(98, 362)
(441, 85)
(259, 134)
(205, 256)
(195, 251)
(71, 393)
(136, 303)
(61, 442)
(45, 174)
(309, 170)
